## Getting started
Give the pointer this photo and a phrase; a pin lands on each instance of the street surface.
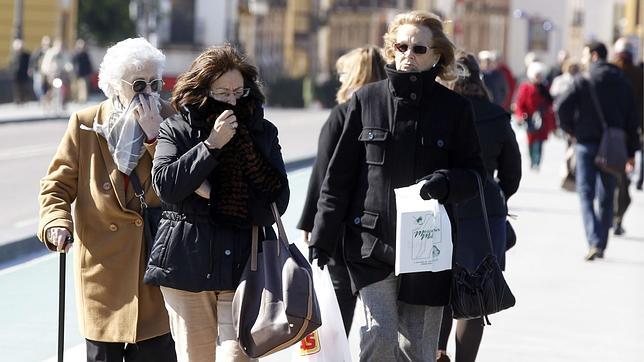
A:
(567, 309)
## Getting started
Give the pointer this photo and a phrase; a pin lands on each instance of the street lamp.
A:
(18, 11)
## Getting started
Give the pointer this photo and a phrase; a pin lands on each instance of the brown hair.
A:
(362, 65)
(443, 45)
(193, 86)
(468, 81)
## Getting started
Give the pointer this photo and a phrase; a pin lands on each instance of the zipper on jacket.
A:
(210, 263)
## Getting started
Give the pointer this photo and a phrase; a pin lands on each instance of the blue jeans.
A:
(593, 183)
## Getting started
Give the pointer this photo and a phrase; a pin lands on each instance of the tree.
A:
(106, 21)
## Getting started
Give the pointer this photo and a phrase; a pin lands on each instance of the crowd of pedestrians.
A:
(50, 74)
(416, 111)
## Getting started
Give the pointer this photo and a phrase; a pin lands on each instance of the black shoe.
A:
(592, 253)
(618, 230)
(638, 186)
(600, 253)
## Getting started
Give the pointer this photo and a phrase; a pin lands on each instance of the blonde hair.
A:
(442, 44)
(361, 66)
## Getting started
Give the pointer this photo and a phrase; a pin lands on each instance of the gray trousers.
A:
(397, 331)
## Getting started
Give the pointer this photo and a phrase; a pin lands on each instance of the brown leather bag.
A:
(274, 305)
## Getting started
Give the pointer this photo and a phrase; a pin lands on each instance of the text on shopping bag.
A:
(423, 233)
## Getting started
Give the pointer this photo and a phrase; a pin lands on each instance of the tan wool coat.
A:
(113, 303)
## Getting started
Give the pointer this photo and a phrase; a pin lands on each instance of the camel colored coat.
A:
(113, 303)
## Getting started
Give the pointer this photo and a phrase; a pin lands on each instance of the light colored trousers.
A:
(394, 330)
(202, 326)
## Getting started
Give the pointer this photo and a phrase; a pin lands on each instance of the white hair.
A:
(535, 71)
(127, 56)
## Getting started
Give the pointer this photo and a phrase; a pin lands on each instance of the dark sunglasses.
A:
(416, 49)
(139, 85)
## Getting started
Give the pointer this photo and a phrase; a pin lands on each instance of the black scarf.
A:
(242, 172)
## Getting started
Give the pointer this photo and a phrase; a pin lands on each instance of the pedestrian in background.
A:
(494, 79)
(633, 74)
(434, 138)
(579, 118)
(534, 109)
(356, 68)
(561, 83)
(35, 69)
(56, 67)
(501, 155)
(19, 69)
(82, 70)
(120, 316)
(218, 167)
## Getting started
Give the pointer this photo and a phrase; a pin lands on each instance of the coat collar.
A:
(411, 86)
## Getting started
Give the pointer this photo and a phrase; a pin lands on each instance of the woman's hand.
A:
(148, 116)
(305, 236)
(60, 238)
(223, 130)
(204, 190)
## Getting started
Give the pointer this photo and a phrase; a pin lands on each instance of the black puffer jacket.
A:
(578, 115)
(397, 131)
(192, 251)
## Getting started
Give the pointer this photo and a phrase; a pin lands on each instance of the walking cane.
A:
(61, 300)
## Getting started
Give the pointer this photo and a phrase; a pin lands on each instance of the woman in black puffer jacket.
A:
(500, 153)
(217, 169)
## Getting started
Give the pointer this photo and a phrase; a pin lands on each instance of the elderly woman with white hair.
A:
(534, 108)
(104, 151)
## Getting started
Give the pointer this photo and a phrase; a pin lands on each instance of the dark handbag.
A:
(274, 305)
(612, 154)
(151, 215)
(484, 291)
(535, 121)
(510, 236)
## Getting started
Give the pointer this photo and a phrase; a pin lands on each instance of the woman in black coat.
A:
(355, 68)
(217, 169)
(396, 132)
(501, 154)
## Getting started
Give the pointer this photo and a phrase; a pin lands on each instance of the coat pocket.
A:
(375, 142)
(372, 247)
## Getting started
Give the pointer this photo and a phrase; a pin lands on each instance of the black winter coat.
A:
(577, 113)
(501, 154)
(397, 131)
(192, 252)
(329, 136)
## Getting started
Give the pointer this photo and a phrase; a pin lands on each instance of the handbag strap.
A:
(138, 190)
(484, 211)
(253, 248)
(597, 105)
(281, 233)
(281, 236)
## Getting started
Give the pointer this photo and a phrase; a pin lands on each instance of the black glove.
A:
(319, 254)
(436, 187)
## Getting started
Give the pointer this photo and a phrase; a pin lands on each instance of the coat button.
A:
(412, 96)
(440, 143)
(113, 227)
(356, 221)
(227, 252)
(107, 186)
(413, 78)
(370, 135)
(138, 222)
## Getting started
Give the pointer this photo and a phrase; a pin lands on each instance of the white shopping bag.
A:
(423, 233)
(328, 343)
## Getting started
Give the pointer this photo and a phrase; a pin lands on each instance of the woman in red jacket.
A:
(534, 108)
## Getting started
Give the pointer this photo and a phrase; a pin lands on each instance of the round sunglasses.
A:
(416, 49)
(139, 85)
